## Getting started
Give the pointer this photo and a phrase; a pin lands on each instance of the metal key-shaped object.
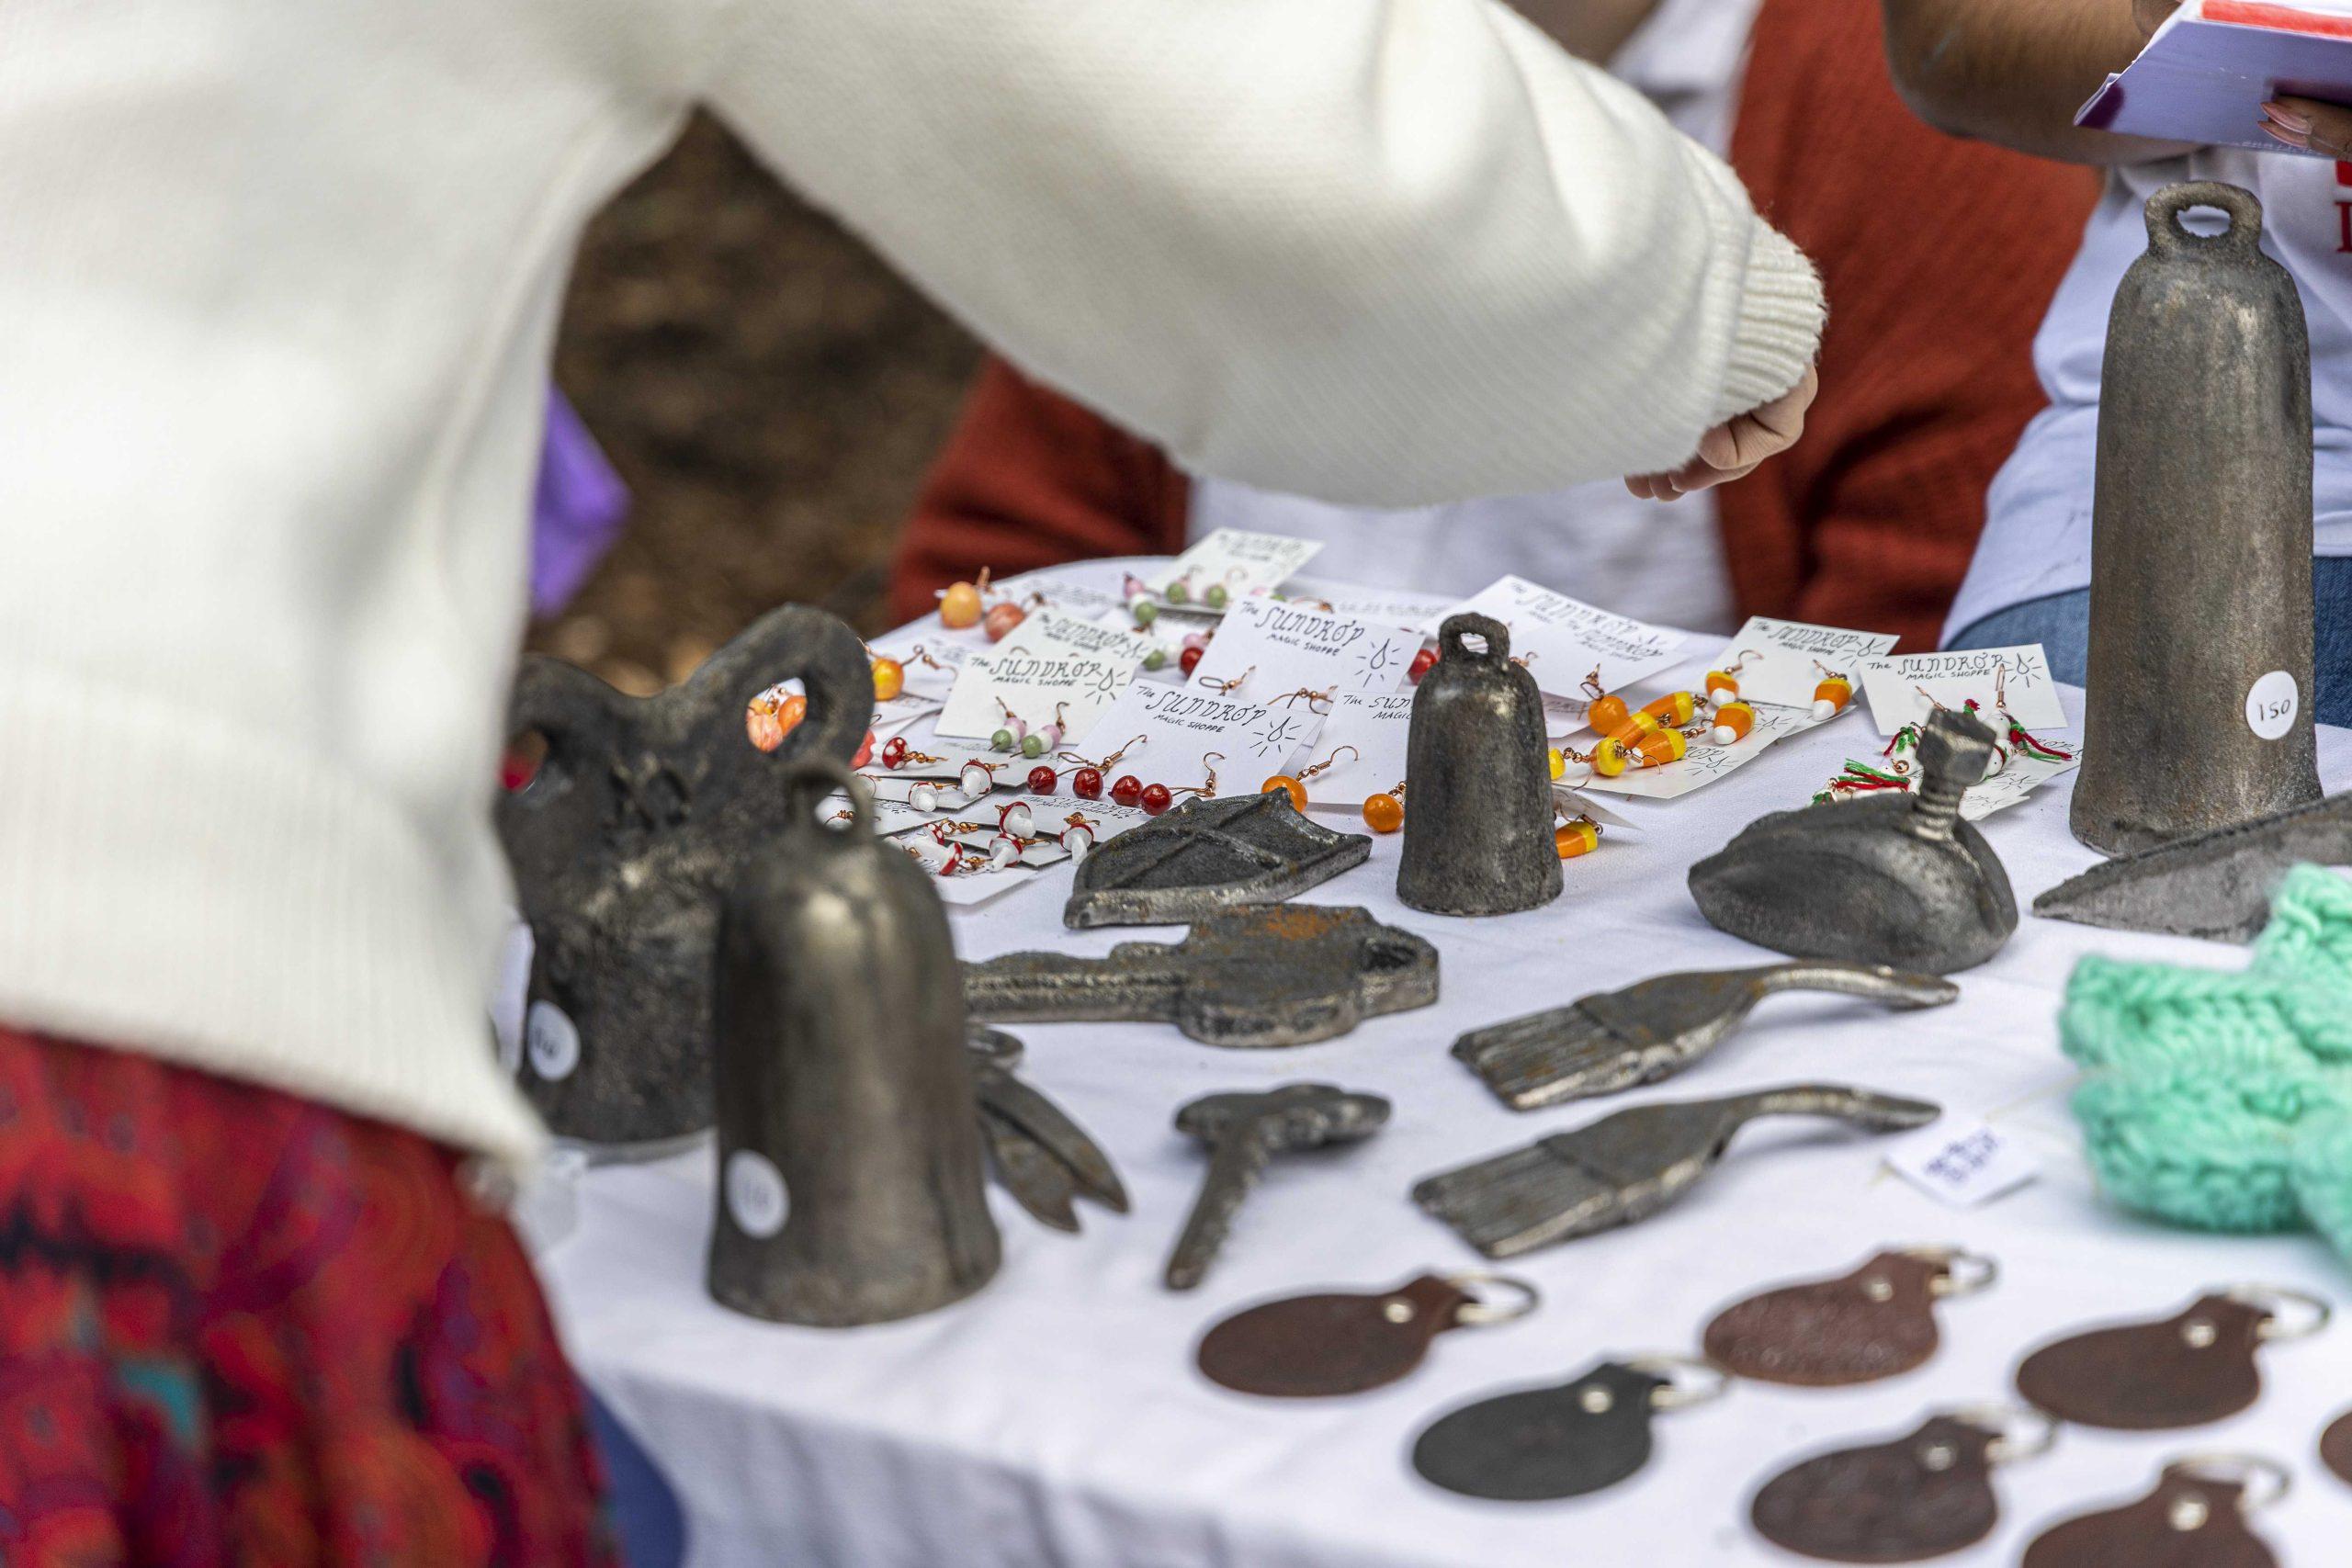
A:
(1920, 1495)
(1319, 1345)
(1628, 1165)
(1207, 856)
(1877, 1322)
(2195, 1518)
(1656, 1028)
(1286, 975)
(1244, 1129)
(1534, 1445)
(2216, 885)
(1045, 1159)
(1896, 879)
(2185, 1371)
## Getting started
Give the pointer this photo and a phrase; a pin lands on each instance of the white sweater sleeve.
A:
(1376, 250)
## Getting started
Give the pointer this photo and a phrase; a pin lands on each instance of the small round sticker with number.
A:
(754, 1193)
(2271, 705)
(552, 1042)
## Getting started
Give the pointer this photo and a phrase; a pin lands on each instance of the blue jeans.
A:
(2062, 624)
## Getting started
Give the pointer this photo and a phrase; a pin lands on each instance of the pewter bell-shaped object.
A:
(2198, 714)
(1478, 794)
(849, 1146)
(621, 845)
(1894, 878)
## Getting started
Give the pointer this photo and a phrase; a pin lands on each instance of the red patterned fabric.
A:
(240, 1328)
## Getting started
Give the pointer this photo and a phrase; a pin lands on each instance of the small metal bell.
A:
(1478, 807)
(849, 1160)
(2199, 713)
(620, 846)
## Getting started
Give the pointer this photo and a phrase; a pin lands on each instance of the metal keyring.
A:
(1951, 1283)
(1477, 1313)
(1676, 1393)
(2002, 1421)
(2268, 1298)
(992, 1045)
(2240, 1470)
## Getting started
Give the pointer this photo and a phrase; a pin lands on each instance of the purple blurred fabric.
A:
(578, 512)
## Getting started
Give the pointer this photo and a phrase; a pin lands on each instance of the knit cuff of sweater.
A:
(1779, 328)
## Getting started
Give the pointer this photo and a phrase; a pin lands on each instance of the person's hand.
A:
(2310, 126)
(1732, 449)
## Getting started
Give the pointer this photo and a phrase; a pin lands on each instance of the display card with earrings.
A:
(1558, 639)
(1035, 683)
(1274, 646)
(1779, 662)
(1230, 565)
(1905, 689)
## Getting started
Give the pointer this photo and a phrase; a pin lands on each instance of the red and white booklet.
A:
(2208, 70)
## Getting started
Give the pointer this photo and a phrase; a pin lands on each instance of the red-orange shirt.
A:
(1939, 255)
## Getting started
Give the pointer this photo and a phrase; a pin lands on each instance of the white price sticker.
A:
(754, 1193)
(2271, 705)
(552, 1041)
(1962, 1161)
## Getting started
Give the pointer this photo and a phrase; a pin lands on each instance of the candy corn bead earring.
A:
(1294, 784)
(1733, 721)
(1576, 836)
(1836, 690)
(1723, 684)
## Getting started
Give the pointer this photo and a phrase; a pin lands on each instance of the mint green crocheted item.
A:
(2223, 1101)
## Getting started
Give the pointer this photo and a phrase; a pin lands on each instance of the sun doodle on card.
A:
(1276, 733)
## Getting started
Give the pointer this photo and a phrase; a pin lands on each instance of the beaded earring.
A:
(1384, 813)
(1155, 798)
(1294, 784)
(1087, 782)
(1580, 835)
(1834, 692)
(1016, 734)
(1721, 685)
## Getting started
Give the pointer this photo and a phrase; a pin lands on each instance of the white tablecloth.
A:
(1057, 1418)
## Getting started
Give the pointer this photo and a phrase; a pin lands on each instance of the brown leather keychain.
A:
(2195, 1519)
(1314, 1347)
(1919, 1495)
(2335, 1447)
(2184, 1371)
(1874, 1323)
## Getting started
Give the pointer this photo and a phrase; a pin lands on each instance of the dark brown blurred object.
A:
(770, 391)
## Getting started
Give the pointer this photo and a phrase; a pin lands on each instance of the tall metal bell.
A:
(621, 845)
(848, 1148)
(2199, 708)
(1478, 803)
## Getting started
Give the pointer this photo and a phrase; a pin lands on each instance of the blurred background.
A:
(769, 393)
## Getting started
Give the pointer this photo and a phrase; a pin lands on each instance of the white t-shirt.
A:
(2038, 517)
(1657, 561)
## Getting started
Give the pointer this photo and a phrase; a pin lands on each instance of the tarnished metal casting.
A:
(1655, 1029)
(849, 1146)
(1205, 857)
(1478, 783)
(641, 814)
(2198, 712)
(1287, 975)
(1894, 878)
(1242, 1130)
